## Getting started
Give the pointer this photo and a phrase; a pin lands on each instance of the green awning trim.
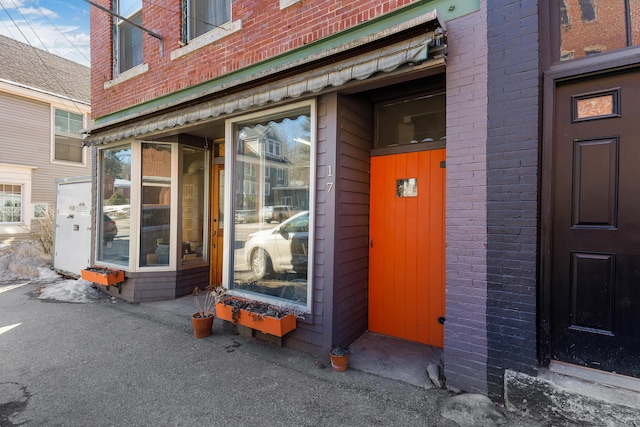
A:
(410, 16)
(360, 67)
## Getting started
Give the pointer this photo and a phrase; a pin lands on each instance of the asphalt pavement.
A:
(112, 363)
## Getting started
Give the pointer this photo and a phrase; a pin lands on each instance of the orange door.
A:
(407, 247)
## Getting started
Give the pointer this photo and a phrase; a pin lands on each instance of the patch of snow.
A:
(472, 410)
(77, 291)
(24, 260)
(47, 273)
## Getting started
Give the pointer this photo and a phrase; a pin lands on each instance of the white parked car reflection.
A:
(283, 249)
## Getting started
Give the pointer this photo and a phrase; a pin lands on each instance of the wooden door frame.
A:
(215, 250)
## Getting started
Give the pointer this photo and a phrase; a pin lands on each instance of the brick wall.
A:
(512, 188)
(266, 32)
(465, 347)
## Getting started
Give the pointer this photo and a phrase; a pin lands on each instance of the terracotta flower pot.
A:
(339, 363)
(202, 325)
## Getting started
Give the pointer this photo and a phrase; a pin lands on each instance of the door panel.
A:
(595, 272)
(406, 261)
(595, 192)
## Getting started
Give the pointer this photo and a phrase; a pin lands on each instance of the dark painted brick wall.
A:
(465, 346)
(512, 188)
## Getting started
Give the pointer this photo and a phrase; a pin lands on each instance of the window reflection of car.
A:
(245, 216)
(109, 228)
(276, 213)
(283, 249)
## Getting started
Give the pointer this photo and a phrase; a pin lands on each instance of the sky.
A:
(60, 27)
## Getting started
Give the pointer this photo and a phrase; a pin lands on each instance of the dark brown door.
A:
(595, 275)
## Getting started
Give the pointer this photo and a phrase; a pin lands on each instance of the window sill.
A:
(127, 75)
(286, 3)
(82, 164)
(208, 38)
(13, 228)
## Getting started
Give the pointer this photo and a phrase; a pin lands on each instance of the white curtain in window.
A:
(129, 43)
(205, 15)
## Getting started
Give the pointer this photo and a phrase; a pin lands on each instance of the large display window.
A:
(153, 205)
(114, 225)
(271, 190)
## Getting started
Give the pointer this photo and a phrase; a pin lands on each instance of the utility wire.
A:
(63, 35)
(36, 52)
(105, 77)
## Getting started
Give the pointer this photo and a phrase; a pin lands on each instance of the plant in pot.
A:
(205, 302)
(339, 358)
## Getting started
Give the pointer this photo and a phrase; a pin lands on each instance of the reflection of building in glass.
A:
(589, 27)
(262, 167)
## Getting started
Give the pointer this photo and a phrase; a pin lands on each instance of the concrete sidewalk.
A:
(156, 338)
(372, 353)
(560, 399)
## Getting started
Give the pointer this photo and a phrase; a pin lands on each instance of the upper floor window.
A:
(590, 27)
(128, 37)
(67, 140)
(203, 16)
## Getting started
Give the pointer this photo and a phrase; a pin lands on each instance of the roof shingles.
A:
(36, 68)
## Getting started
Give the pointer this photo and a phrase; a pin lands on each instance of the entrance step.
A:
(567, 393)
(395, 358)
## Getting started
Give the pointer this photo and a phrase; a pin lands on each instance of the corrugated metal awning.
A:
(360, 67)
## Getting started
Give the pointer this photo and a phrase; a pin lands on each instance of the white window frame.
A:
(286, 3)
(40, 210)
(217, 33)
(54, 133)
(229, 190)
(135, 197)
(22, 204)
(119, 25)
(133, 220)
(18, 175)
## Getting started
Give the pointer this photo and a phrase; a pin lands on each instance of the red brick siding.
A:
(267, 32)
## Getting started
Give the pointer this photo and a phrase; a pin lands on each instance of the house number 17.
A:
(330, 183)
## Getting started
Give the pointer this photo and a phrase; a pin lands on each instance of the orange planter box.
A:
(265, 324)
(103, 276)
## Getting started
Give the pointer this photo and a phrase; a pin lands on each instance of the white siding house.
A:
(44, 103)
